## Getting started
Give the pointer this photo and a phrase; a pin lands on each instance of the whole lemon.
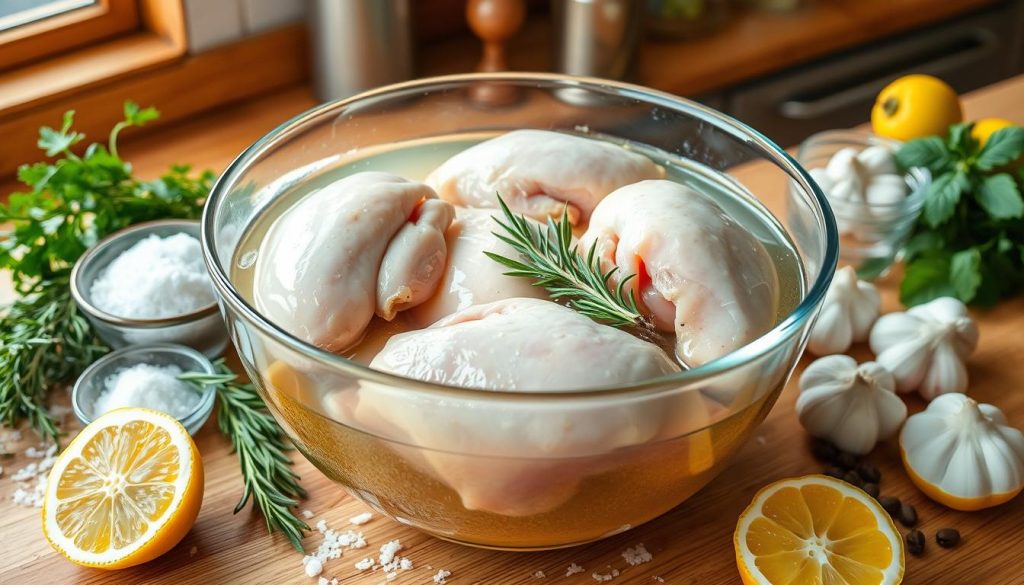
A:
(986, 127)
(914, 106)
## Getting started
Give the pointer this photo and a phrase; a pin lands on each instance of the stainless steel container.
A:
(597, 38)
(359, 45)
(202, 329)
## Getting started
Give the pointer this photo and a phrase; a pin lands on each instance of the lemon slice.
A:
(816, 530)
(125, 491)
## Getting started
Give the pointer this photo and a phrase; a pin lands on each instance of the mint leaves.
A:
(969, 240)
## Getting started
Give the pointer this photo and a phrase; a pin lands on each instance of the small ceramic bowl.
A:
(92, 382)
(202, 329)
(868, 241)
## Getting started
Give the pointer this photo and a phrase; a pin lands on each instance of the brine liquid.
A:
(640, 483)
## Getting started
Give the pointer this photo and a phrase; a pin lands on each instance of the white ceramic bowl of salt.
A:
(146, 376)
(147, 284)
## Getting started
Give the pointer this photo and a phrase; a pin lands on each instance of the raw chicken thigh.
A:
(370, 242)
(538, 172)
(470, 277)
(699, 272)
(521, 345)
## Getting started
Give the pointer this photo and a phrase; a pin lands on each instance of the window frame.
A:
(77, 27)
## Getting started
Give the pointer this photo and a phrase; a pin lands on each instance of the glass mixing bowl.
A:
(492, 476)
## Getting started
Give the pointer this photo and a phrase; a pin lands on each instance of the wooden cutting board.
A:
(691, 545)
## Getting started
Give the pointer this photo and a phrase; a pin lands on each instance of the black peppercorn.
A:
(947, 537)
(915, 542)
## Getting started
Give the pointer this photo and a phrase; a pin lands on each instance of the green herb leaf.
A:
(965, 273)
(942, 197)
(261, 447)
(139, 117)
(926, 278)
(55, 142)
(999, 196)
(550, 259)
(960, 140)
(929, 152)
(1003, 147)
(921, 243)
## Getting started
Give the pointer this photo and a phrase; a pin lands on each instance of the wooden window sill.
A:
(52, 80)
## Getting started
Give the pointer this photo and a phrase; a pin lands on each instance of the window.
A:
(35, 29)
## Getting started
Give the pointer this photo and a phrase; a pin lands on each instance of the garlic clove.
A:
(926, 346)
(878, 160)
(963, 454)
(852, 406)
(842, 164)
(850, 308)
(947, 374)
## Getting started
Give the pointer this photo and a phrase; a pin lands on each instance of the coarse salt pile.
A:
(441, 577)
(155, 278)
(573, 569)
(604, 577)
(331, 547)
(637, 555)
(156, 387)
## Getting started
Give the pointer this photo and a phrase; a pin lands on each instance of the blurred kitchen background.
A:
(787, 67)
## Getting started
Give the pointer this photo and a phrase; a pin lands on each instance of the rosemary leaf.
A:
(260, 444)
(549, 256)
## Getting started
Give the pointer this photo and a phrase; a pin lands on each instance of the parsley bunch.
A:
(969, 241)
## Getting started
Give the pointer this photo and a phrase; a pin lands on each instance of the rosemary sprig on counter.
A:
(550, 257)
(261, 447)
(44, 338)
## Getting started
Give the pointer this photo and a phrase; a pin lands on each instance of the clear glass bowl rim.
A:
(768, 341)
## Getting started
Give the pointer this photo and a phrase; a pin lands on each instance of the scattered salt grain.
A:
(658, 579)
(361, 519)
(441, 577)
(539, 575)
(312, 566)
(33, 477)
(605, 577)
(391, 576)
(387, 552)
(155, 278)
(405, 564)
(573, 569)
(307, 514)
(156, 387)
(637, 555)
(365, 564)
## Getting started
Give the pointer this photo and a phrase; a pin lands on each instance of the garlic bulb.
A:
(862, 186)
(852, 406)
(850, 308)
(925, 347)
(963, 454)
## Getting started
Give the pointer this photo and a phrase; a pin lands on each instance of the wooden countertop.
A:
(691, 545)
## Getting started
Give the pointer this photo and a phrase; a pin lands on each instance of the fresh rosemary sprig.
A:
(45, 338)
(261, 446)
(551, 259)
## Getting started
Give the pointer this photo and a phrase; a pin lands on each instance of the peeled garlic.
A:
(963, 454)
(850, 308)
(925, 347)
(852, 406)
(862, 186)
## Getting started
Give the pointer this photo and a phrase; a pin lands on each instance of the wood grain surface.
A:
(691, 545)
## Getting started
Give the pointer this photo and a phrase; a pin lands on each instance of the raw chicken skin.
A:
(370, 242)
(538, 172)
(700, 273)
(471, 278)
(503, 455)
